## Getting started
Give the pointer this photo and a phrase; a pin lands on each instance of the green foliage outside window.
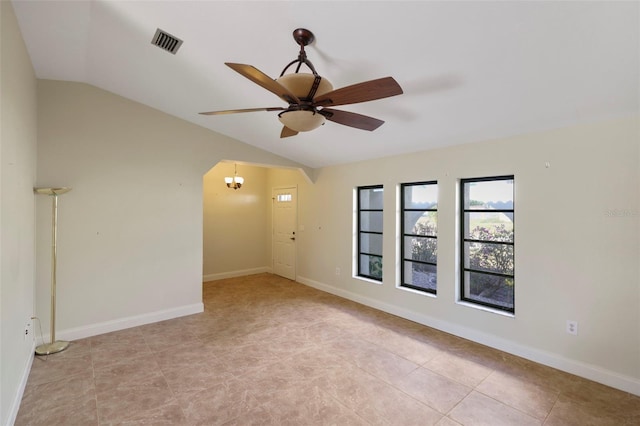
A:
(492, 257)
(375, 267)
(424, 249)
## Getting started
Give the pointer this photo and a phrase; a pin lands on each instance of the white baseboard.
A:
(128, 322)
(587, 371)
(233, 274)
(15, 405)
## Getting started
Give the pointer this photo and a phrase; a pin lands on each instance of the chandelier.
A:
(236, 181)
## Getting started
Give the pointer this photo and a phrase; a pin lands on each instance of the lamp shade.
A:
(300, 84)
(301, 121)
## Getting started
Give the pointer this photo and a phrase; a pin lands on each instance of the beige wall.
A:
(577, 243)
(130, 247)
(576, 253)
(18, 133)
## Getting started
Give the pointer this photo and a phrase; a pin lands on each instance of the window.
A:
(487, 249)
(419, 249)
(370, 232)
(284, 198)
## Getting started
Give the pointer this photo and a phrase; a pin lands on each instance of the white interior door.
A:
(285, 218)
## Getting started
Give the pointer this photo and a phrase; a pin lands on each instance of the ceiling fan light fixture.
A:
(302, 120)
(300, 84)
(305, 87)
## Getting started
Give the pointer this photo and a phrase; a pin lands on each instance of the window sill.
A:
(486, 309)
(421, 293)
(369, 280)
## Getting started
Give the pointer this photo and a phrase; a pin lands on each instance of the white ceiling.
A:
(470, 71)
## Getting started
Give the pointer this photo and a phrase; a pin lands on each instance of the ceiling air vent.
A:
(166, 41)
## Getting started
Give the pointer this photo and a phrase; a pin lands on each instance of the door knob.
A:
(292, 238)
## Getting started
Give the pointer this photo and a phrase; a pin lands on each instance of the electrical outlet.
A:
(27, 331)
(572, 327)
(337, 271)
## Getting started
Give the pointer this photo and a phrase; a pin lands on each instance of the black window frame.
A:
(403, 234)
(360, 232)
(463, 240)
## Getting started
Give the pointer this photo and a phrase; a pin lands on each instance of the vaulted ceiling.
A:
(470, 71)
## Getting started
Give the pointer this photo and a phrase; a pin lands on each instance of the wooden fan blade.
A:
(286, 132)
(234, 111)
(351, 119)
(361, 92)
(261, 79)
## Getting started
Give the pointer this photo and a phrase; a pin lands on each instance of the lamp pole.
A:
(54, 346)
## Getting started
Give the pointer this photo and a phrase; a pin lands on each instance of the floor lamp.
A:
(54, 346)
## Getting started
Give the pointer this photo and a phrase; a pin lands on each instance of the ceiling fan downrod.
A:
(302, 37)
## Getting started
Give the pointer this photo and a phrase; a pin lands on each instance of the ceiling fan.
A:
(310, 96)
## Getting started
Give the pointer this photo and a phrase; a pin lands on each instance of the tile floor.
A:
(269, 351)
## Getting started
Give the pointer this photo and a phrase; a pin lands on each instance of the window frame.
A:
(403, 234)
(359, 232)
(463, 240)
